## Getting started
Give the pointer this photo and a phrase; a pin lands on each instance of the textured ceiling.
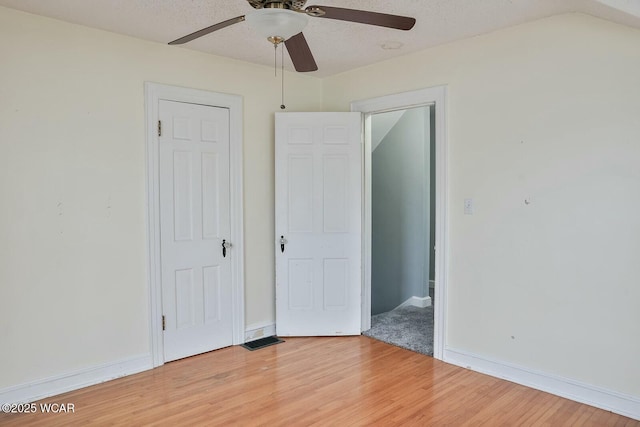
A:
(337, 46)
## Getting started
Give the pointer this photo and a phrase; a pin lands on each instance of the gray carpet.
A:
(407, 327)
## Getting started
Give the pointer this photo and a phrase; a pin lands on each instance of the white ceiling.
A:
(337, 45)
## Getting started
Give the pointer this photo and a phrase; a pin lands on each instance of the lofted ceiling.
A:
(337, 46)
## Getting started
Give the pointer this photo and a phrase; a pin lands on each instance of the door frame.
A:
(154, 92)
(435, 95)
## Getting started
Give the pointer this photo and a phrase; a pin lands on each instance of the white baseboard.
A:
(52, 386)
(622, 404)
(259, 330)
(421, 302)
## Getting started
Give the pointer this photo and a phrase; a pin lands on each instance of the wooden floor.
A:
(315, 381)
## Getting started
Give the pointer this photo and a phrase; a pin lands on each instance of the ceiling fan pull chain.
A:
(275, 60)
(282, 106)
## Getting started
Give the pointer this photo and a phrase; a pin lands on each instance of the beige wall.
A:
(549, 112)
(73, 286)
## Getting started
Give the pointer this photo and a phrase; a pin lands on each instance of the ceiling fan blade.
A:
(205, 31)
(365, 17)
(300, 53)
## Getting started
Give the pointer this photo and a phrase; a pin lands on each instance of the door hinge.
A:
(164, 325)
(159, 128)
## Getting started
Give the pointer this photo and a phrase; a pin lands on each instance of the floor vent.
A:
(262, 343)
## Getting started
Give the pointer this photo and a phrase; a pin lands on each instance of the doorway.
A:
(435, 97)
(221, 112)
(402, 232)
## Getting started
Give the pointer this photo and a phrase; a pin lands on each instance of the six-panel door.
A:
(194, 219)
(318, 216)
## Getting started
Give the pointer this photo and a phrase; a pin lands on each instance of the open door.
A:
(318, 165)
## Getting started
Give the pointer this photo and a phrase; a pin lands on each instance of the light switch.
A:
(468, 206)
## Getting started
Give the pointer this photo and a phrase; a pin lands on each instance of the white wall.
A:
(548, 111)
(73, 287)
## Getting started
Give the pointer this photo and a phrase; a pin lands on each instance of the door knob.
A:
(225, 245)
(283, 242)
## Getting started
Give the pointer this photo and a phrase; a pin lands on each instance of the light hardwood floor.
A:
(316, 381)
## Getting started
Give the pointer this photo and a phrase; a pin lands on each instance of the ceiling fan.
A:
(283, 20)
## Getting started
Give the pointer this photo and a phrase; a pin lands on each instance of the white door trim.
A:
(438, 96)
(153, 93)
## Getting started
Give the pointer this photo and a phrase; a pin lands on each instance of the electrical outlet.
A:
(468, 206)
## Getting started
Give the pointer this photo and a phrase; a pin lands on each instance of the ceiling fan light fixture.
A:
(276, 24)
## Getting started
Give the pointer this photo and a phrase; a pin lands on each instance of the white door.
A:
(194, 220)
(318, 223)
